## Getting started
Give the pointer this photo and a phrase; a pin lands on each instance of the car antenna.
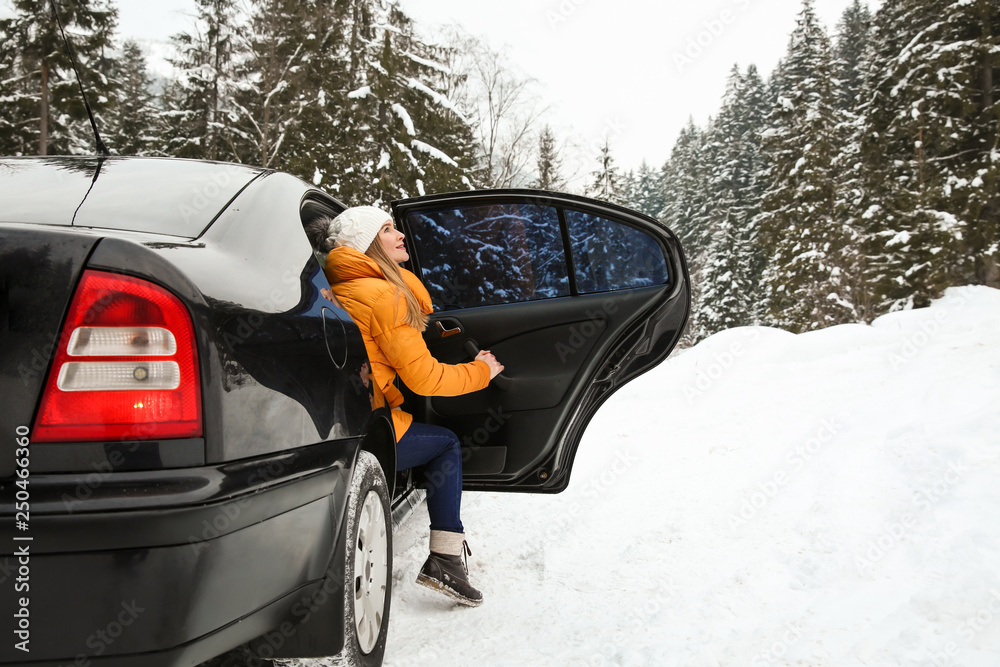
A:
(101, 148)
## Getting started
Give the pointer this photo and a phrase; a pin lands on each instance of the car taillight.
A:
(126, 367)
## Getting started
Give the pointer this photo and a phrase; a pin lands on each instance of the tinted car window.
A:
(610, 256)
(481, 255)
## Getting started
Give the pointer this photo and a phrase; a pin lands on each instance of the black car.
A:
(191, 459)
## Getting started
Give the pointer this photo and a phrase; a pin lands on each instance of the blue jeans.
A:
(438, 449)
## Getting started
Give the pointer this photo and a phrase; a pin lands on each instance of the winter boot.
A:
(445, 570)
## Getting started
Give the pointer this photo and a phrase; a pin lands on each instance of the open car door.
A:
(574, 296)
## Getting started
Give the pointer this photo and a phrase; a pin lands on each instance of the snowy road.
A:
(763, 499)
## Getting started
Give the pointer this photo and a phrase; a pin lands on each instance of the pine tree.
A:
(200, 101)
(628, 188)
(18, 107)
(319, 149)
(853, 40)
(398, 135)
(42, 105)
(685, 193)
(606, 183)
(271, 90)
(852, 53)
(929, 148)
(548, 164)
(133, 124)
(644, 193)
(732, 263)
(804, 277)
(684, 190)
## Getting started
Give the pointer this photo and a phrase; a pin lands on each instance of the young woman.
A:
(390, 306)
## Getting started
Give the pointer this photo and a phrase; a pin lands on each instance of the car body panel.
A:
(205, 534)
(167, 197)
(218, 537)
(39, 268)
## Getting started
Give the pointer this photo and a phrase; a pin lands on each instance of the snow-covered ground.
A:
(831, 498)
(827, 499)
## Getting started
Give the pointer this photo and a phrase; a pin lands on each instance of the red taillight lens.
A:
(126, 367)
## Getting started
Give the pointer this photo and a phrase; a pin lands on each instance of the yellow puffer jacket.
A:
(393, 346)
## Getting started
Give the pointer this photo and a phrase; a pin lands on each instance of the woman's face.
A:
(392, 242)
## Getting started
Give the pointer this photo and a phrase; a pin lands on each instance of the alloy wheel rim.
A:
(371, 571)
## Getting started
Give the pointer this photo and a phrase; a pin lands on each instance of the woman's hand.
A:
(495, 366)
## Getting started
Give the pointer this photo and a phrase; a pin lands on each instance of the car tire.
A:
(368, 565)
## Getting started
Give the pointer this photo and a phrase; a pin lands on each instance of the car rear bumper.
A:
(213, 557)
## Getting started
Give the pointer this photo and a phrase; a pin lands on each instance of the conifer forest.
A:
(859, 177)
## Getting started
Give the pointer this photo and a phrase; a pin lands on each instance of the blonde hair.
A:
(415, 315)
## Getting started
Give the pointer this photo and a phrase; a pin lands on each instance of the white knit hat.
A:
(358, 226)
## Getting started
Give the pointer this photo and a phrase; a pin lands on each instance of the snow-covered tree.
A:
(393, 131)
(851, 53)
(548, 163)
(606, 180)
(270, 89)
(852, 43)
(200, 101)
(41, 104)
(643, 191)
(133, 124)
(732, 263)
(798, 226)
(930, 150)
(685, 193)
(18, 107)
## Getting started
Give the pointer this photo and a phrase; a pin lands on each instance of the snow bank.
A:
(830, 498)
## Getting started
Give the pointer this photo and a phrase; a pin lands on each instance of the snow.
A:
(438, 98)
(363, 91)
(404, 116)
(764, 498)
(901, 238)
(433, 152)
(433, 64)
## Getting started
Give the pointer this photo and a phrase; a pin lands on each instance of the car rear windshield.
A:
(160, 196)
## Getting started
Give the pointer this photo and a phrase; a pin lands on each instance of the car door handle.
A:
(445, 333)
(501, 381)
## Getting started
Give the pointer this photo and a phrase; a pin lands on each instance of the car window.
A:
(608, 255)
(479, 255)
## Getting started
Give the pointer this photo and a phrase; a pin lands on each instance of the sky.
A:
(633, 71)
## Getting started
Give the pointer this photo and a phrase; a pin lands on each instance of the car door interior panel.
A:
(570, 294)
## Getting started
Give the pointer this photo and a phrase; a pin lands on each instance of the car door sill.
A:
(403, 506)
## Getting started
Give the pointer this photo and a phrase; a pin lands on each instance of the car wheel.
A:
(368, 565)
